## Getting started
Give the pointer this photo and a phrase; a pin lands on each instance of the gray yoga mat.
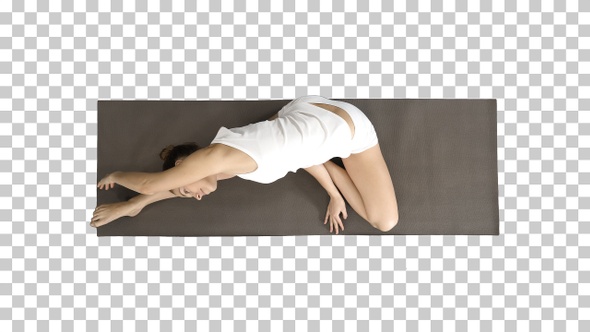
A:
(441, 154)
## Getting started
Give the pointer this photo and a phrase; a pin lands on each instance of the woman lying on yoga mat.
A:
(306, 133)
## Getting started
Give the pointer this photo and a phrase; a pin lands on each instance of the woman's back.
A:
(303, 135)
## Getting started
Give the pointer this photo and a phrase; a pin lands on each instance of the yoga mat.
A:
(441, 154)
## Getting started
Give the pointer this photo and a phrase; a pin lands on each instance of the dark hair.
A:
(171, 153)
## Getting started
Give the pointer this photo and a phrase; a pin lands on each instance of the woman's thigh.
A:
(370, 175)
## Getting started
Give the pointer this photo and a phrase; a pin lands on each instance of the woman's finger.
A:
(331, 224)
(97, 221)
(335, 222)
(340, 222)
(335, 225)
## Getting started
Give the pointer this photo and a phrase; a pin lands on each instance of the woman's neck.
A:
(223, 176)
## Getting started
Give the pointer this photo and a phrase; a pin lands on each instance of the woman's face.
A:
(197, 189)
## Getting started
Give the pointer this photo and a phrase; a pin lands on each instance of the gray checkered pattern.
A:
(57, 60)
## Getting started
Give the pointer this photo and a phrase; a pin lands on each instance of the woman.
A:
(305, 133)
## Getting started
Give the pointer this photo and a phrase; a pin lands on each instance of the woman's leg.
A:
(366, 184)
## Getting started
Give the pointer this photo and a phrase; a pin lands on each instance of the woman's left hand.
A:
(335, 207)
(107, 181)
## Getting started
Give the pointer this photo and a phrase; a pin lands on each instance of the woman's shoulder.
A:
(235, 160)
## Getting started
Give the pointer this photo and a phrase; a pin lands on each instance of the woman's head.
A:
(174, 155)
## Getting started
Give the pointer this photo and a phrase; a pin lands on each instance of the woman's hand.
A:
(335, 207)
(108, 181)
(106, 213)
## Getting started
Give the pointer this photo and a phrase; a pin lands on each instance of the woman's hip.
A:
(365, 136)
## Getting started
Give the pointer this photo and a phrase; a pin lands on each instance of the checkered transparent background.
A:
(57, 60)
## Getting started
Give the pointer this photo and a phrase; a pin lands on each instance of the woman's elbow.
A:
(147, 188)
(146, 192)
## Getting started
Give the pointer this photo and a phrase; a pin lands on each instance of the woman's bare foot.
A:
(106, 213)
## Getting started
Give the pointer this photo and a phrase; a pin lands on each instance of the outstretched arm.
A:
(106, 213)
(198, 165)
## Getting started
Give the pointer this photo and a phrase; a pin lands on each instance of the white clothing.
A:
(302, 136)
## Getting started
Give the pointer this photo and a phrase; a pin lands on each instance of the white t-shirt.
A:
(303, 135)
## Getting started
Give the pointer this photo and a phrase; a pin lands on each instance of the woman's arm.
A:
(106, 213)
(320, 173)
(337, 205)
(200, 164)
(140, 201)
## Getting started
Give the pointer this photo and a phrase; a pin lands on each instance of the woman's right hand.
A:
(106, 213)
(108, 181)
(335, 207)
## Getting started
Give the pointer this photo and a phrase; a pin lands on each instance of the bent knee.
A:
(386, 224)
